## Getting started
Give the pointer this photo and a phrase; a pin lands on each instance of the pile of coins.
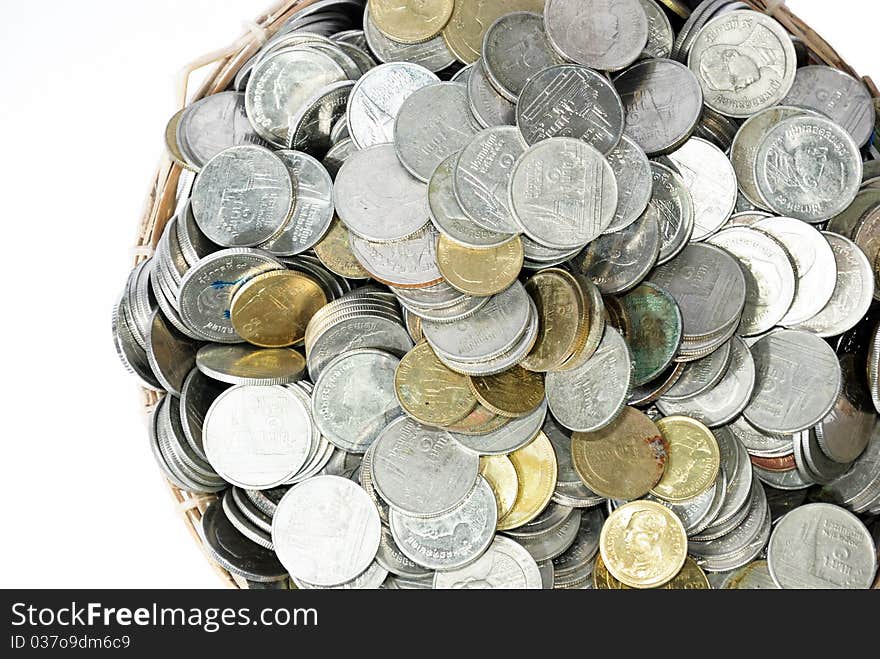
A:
(562, 294)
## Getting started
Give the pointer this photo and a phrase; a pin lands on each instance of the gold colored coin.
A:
(472, 18)
(274, 309)
(413, 326)
(754, 576)
(643, 544)
(693, 461)
(592, 323)
(499, 472)
(335, 253)
(513, 393)
(429, 392)
(476, 422)
(617, 316)
(623, 460)
(536, 470)
(479, 272)
(690, 577)
(678, 7)
(411, 21)
(559, 302)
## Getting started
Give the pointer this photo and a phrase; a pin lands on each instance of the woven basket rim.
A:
(161, 197)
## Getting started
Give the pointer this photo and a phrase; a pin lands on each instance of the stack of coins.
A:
(503, 294)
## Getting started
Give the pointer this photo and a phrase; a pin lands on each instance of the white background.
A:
(88, 87)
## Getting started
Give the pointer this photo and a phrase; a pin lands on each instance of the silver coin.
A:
(408, 262)
(838, 96)
(798, 381)
(311, 128)
(701, 375)
(568, 100)
(693, 511)
(490, 332)
(377, 198)
(312, 210)
(577, 562)
(862, 477)
(759, 443)
(844, 434)
(170, 354)
(377, 97)
(744, 150)
(482, 175)
(782, 480)
(820, 545)
(361, 57)
(515, 47)
(207, 290)
(853, 290)
(448, 216)
(744, 61)
(326, 531)
(739, 482)
(395, 561)
(551, 518)
(663, 103)
(554, 542)
(597, 33)
(354, 398)
(370, 579)
(541, 254)
(727, 400)
(262, 450)
(708, 285)
(672, 207)
(632, 170)
(337, 155)
(281, 83)
(432, 55)
(808, 168)
(243, 196)
(422, 471)
(771, 282)
(742, 545)
(357, 331)
(451, 540)
(563, 193)
(463, 75)
(810, 457)
(710, 178)
(510, 437)
(618, 262)
(433, 123)
(235, 553)
(488, 106)
(590, 397)
(197, 394)
(193, 243)
(438, 296)
(505, 565)
(815, 266)
(660, 34)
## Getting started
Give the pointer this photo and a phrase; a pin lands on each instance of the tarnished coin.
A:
(451, 540)
(433, 123)
(672, 208)
(430, 392)
(846, 223)
(507, 437)
(655, 331)
(513, 393)
(515, 48)
(505, 565)
(243, 196)
(821, 546)
(623, 460)
(710, 179)
(701, 375)
(258, 437)
(431, 54)
(421, 471)
(377, 198)
(690, 577)
(798, 381)
(170, 354)
(377, 97)
(272, 310)
(649, 91)
(482, 176)
(326, 531)
(660, 34)
(597, 33)
(241, 364)
(632, 170)
(563, 193)
(568, 100)
(411, 22)
(335, 253)
(466, 29)
(643, 544)
(488, 106)
(692, 461)
(479, 272)
(771, 282)
(754, 576)
(500, 474)
(836, 95)
(407, 263)
(808, 168)
(745, 63)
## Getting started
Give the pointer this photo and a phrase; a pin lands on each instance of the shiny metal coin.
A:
(672, 207)
(197, 394)
(660, 34)
(312, 126)
(632, 170)
(701, 375)
(505, 565)
(432, 55)
(410, 262)
(844, 434)
(488, 106)
(241, 364)
(394, 560)
(522, 34)
(758, 443)
(507, 438)
(170, 354)
(235, 553)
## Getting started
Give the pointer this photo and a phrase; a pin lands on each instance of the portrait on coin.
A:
(735, 67)
(642, 536)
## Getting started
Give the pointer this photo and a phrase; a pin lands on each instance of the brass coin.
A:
(479, 272)
(513, 393)
(617, 316)
(429, 392)
(693, 460)
(690, 577)
(678, 7)
(643, 544)
(475, 422)
(244, 364)
(470, 20)
(622, 461)
(499, 472)
(592, 323)
(535, 466)
(335, 253)
(560, 308)
(411, 21)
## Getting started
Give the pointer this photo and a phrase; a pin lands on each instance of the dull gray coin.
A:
(632, 170)
(672, 207)
(508, 438)
(660, 34)
(515, 47)
(171, 355)
(488, 106)
(701, 375)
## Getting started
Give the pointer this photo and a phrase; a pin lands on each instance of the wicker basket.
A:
(161, 198)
